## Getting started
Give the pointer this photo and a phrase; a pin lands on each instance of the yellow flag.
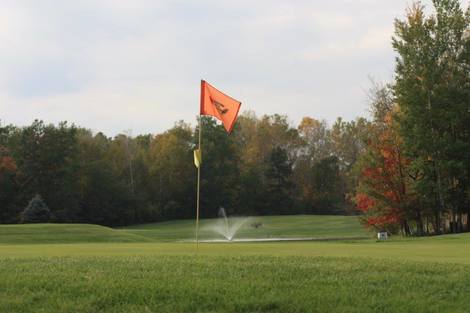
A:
(197, 158)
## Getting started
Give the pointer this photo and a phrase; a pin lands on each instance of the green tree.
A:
(278, 195)
(220, 176)
(105, 197)
(8, 187)
(46, 157)
(328, 187)
(172, 173)
(432, 90)
(255, 140)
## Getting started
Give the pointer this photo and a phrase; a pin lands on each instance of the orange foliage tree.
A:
(382, 194)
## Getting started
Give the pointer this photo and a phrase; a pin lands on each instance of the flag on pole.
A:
(219, 105)
(197, 158)
(222, 107)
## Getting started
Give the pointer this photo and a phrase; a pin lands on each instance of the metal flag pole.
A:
(198, 182)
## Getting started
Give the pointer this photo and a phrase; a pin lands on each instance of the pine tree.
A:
(36, 211)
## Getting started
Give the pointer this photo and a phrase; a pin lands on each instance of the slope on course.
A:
(63, 233)
(286, 226)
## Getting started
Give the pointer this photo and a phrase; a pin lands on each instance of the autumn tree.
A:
(382, 193)
(317, 171)
(256, 141)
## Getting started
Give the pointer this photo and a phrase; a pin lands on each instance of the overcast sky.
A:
(136, 65)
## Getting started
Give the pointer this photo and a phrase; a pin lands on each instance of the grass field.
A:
(131, 271)
(63, 233)
(269, 227)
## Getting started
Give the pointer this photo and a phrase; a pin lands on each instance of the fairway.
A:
(230, 284)
(89, 268)
(439, 249)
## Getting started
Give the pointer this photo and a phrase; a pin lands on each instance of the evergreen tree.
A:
(36, 211)
(279, 187)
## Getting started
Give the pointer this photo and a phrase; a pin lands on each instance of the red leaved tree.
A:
(382, 194)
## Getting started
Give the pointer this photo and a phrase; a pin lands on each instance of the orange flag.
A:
(219, 105)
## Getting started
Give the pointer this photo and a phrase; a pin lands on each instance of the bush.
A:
(36, 211)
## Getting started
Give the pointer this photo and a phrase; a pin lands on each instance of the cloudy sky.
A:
(136, 65)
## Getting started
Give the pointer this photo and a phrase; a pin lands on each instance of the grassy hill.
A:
(63, 233)
(266, 227)
(320, 226)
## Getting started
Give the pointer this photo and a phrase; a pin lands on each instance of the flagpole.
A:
(198, 184)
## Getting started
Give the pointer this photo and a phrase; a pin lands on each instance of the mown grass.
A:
(267, 227)
(86, 268)
(447, 249)
(63, 233)
(230, 284)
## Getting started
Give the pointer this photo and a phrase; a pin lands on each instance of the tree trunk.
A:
(459, 223)
(406, 228)
(419, 223)
(467, 218)
(437, 223)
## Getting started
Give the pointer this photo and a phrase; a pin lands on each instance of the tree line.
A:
(266, 166)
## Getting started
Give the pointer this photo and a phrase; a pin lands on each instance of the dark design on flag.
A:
(220, 107)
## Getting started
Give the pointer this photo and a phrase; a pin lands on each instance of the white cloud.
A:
(371, 42)
(114, 65)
